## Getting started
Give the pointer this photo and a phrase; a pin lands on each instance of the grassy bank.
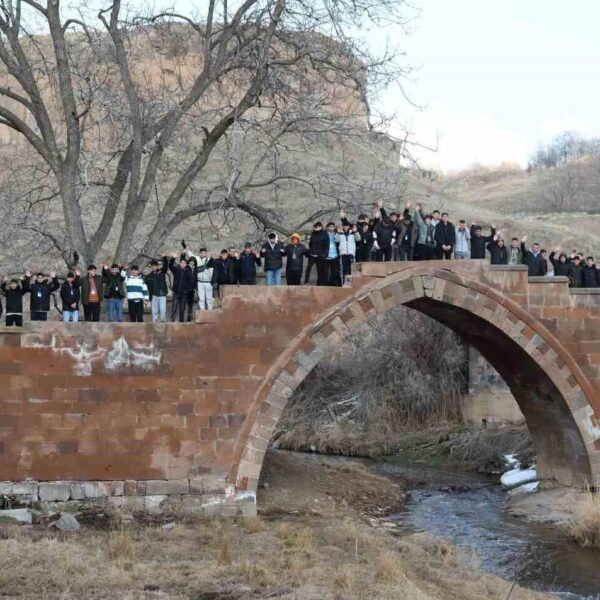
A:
(312, 541)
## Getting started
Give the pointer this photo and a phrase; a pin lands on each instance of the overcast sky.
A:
(496, 77)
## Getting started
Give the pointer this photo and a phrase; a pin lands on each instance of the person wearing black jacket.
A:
(156, 282)
(480, 242)
(114, 291)
(318, 249)
(364, 245)
(384, 236)
(562, 267)
(536, 264)
(498, 251)
(294, 253)
(246, 266)
(576, 271)
(273, 252)
(183, 282)
(14, 301)
(222, 267)
(70, 296)
(40, 291)
(445, 238)
(590, 274)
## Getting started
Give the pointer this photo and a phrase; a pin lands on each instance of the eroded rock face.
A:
(134, 415)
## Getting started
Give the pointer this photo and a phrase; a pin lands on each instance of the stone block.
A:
(130, 487)
(59, 491)
(157, 487)
(77, 491)
(25, 488)
(153, 503)
(96, 489)
(118, 488)
(178, 486)
(5, 488)
(207, 484)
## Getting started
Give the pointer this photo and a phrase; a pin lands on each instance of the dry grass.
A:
(388, 568)
(121, 548)
(252, 524)
(584, 525)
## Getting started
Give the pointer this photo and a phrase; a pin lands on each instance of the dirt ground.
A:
(319, 536)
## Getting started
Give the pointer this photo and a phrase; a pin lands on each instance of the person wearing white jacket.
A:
(204, 276)
(462, 249)
(346, 238)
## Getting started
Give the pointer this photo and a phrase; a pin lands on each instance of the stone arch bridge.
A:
(146, 415)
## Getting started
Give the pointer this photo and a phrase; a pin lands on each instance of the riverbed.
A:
(468, 510)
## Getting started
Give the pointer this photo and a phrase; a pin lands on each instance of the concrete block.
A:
(59, 491)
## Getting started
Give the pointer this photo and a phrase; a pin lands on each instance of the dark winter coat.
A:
(561, 269)
(113, 284)
(480, 243)
(318, 244)
(498, 255)
(157, 282)
(14, 299)
(273, 255)
(576, 274)
(384, 235)
(535, 263)
(224, 271)
(40, 294)
(445, 234)
(295, 257)
(590, 277)
(246, 268)
(407, 234)
(69, 294)
(183, 279)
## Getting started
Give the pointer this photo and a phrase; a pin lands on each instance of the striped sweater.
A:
(136, 288)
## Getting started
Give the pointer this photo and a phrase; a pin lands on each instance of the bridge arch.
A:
(557, 400)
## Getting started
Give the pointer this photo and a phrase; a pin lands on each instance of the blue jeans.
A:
(273, 277)
(114, 308)
(70, 315)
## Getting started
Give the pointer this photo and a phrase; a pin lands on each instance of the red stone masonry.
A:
(144, 415)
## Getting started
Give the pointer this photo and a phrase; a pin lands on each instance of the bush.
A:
(584, 525)
(407, 371)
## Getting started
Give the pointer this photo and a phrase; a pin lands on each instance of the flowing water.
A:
(467, 510)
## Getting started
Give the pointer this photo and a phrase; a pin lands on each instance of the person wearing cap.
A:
(91, 292)
(183, 282)
(347, 237)
(479, 242)
(158, 288)
(273, 252)
(294, 263)
(114, 291)
(40, 290)
(204, 278)
(318, 246)
(246, 266)
(70, 295)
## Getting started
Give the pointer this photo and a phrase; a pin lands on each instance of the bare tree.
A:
(140, 121)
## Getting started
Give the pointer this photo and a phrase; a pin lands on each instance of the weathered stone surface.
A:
(66, 522)
(55, 492)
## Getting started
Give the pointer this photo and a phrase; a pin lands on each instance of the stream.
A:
(466, 509)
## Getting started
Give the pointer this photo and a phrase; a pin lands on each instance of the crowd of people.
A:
(330, 250)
